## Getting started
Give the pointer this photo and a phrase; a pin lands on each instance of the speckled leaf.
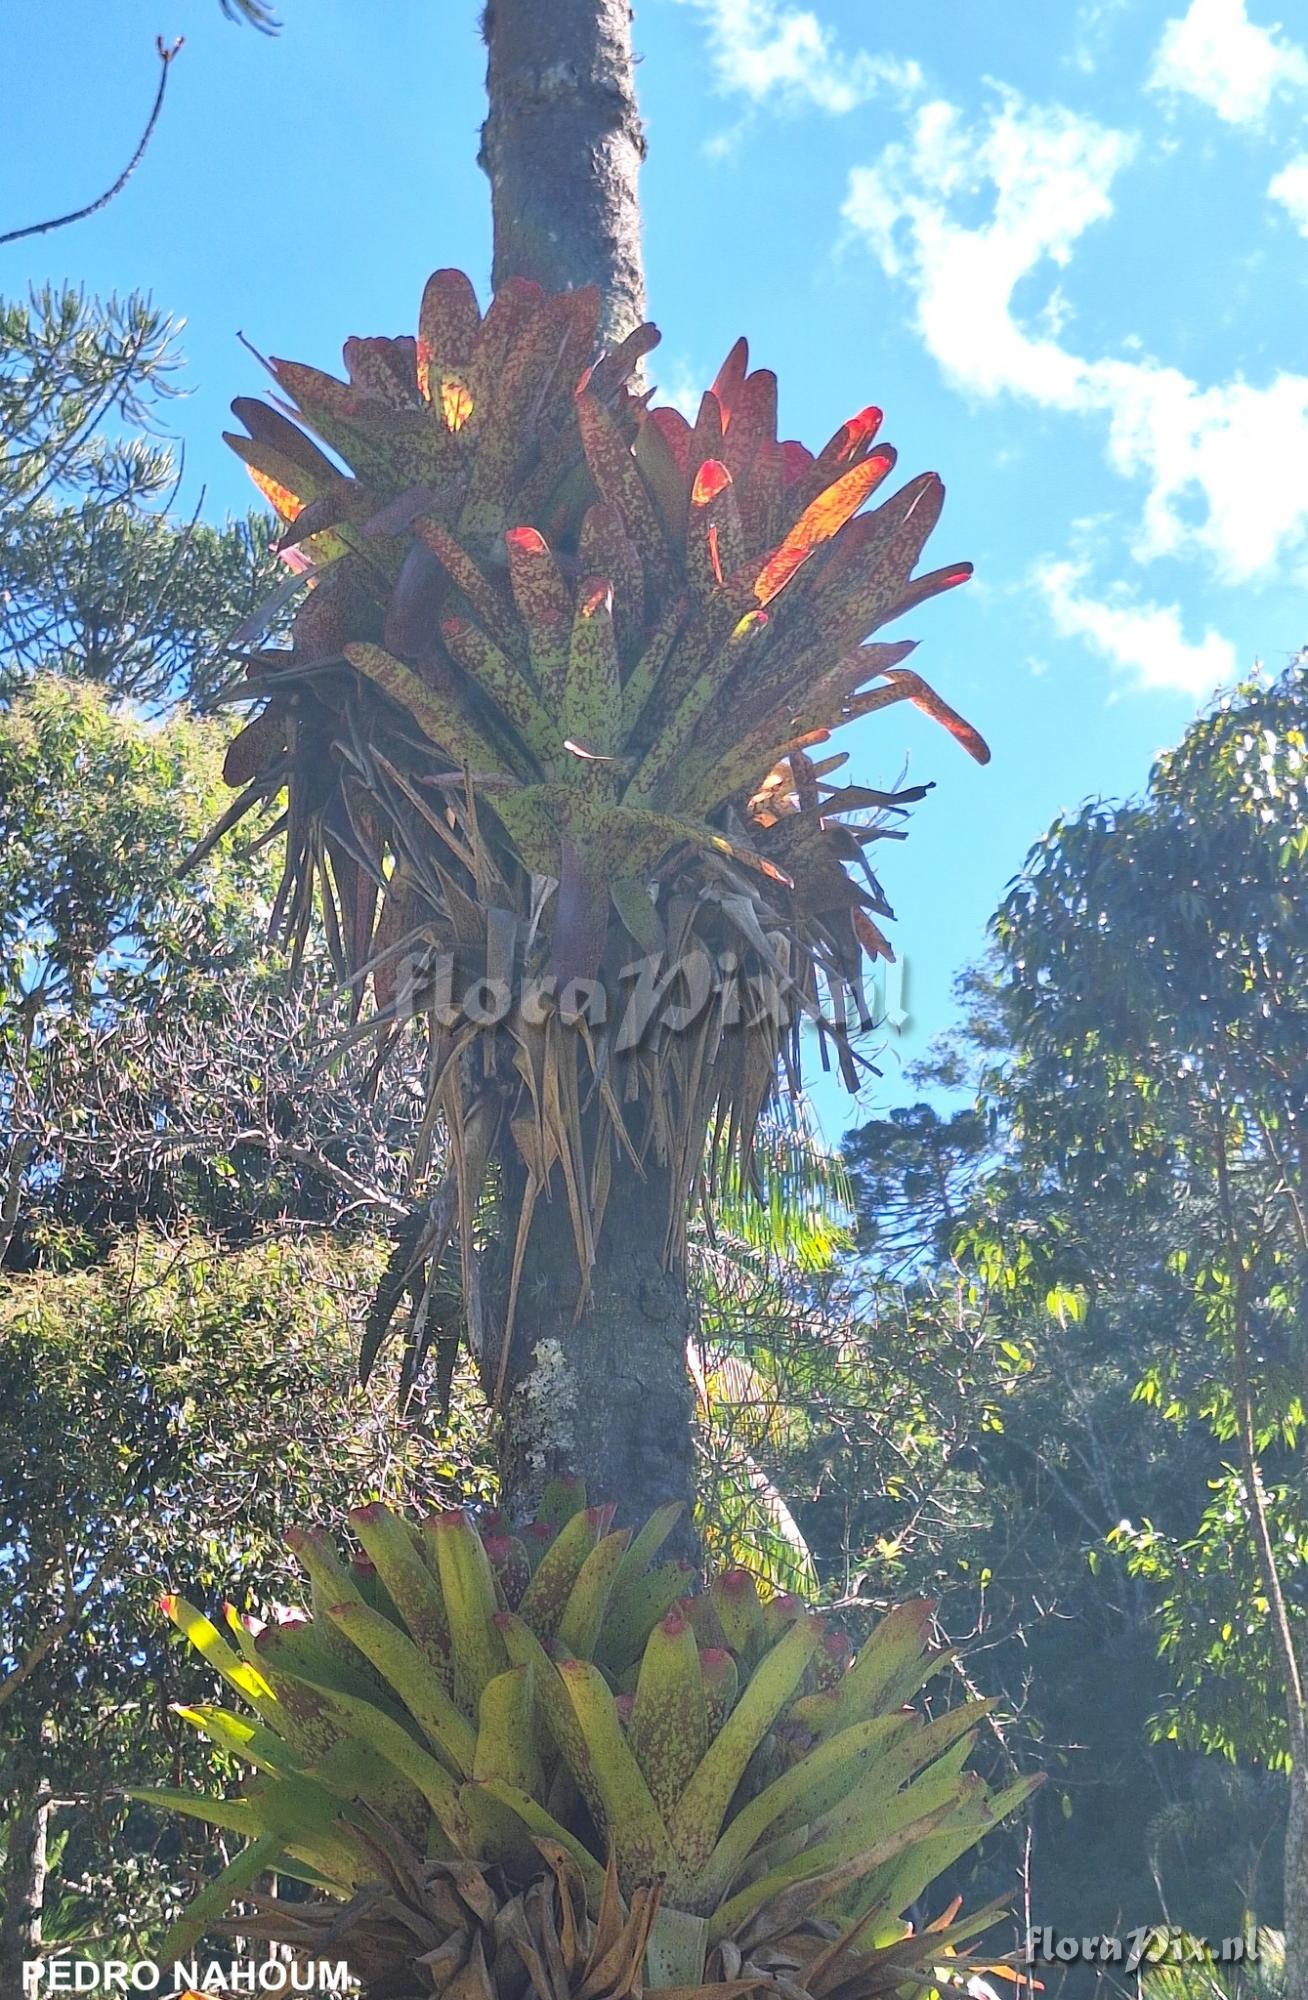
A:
(545, 607)
(500, 682)
(449, 320)
(668, 1728)
(440, 718)
(820, 520)
(592, 698)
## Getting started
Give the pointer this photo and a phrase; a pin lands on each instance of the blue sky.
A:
(1064, 248)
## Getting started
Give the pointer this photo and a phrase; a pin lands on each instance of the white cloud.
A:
(966, 215)
(680, 386)
(763, 49)
(1290, 188)
(1094, 23)
(1142, 640)
(1216, 54)
(1050, 172)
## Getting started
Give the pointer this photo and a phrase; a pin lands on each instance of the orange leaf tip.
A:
(711, 479)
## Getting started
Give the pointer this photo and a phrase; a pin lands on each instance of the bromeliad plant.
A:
(489, 1754)
(550, 705)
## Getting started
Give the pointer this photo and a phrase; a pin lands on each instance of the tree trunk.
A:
(606, 1396)
(1296, 1886)
(26, 1867)
(562, 146)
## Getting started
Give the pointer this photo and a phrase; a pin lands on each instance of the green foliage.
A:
(1263, 1979)
(496, 1692)
(1180, 1016)
(93, 806)
(176, 1405)
(177, 1324)
(98, 578)
(1001, 1357)
(1223, 1691)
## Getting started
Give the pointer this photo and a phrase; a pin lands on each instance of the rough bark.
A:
(1296, 1886)
(26, 1868)
(606, 1396)
(562, 146)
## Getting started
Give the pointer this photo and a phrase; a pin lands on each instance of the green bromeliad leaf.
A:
(492, 1712)
(556, 634)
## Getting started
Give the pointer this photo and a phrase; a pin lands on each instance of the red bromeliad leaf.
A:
(827, 694)
(715, 545)
(609, 638)
(449, 320)
(501, 683)
(613, 370)
(617, 476)
(385, 370)
(675, 432)
(853, 440)
(753, 423)
(317, 393)
(796, 458)
(257, 747)
(873, 941)
(662, 458)
(925, 697)
(730, 378)
(437, 714)
(821, 519)
(711, 479)
(454, 400)
(493, 610)
(706, 440)
(285, 504)
(605, 550)
(270, 427)
(506, 315)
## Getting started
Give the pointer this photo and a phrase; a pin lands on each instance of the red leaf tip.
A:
(735, 1582)
(711, 479)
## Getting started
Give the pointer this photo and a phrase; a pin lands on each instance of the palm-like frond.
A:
(549, 709)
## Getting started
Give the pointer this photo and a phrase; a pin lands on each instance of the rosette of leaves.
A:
(716, 1783)
(551, 706)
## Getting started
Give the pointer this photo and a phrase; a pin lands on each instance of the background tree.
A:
(171, 1410)
(197, 1218)
(98, 577)
(1163, 1069)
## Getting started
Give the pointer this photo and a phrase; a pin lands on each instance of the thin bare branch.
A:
(166, 58)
